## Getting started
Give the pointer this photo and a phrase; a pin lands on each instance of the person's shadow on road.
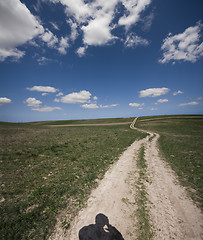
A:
(101, 230)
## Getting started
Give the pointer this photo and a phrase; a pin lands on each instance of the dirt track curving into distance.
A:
(172, 214)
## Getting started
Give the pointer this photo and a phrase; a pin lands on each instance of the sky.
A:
(82, 59)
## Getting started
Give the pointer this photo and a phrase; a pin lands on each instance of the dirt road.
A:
(172, 214)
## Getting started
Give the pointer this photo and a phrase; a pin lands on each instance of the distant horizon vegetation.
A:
(104, 118)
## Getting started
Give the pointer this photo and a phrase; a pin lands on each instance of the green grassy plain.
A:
(181, 144)
(87, 121)
(45, 170)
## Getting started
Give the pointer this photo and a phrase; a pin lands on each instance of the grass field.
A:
(45, 170)
(181, 143)
(87, 121)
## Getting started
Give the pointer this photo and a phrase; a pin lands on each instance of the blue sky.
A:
(77, 59)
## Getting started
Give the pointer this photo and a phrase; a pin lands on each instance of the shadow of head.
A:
(101, 220)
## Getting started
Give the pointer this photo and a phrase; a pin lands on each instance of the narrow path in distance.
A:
(172, 214)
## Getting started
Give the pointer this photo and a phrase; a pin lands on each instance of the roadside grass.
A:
(87, 121)
(44, 171)
(143, 225)
(181, 144)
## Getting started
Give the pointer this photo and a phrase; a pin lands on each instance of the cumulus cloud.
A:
(32, 102)
(132, 41)
(139, 105)
(43, 60)
(75, 97)
(4, 100)
(46, 109)
(108, 106)
(96, 19)
(94, 106)
(162, 100)
(178, 92)
(49, 38)
(63, 45)
(91, 106)
(153, 109)
(189, 104)
(133, 11)
(185, 46)
(59, 94)
(17, 26)
(98, 31)
(81, 51)
(74, 33)
(14, 53)
(154, 92)
(95, 98)
(43, 89)
(36, 105)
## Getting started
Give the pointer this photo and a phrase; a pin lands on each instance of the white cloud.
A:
(162, 100)
(14, 53)
(4, 100)
(148, 21)
(63, 45)
(75, 97)
(44, 94)
(74, 33)
(46, 109)
(108, 106)
(55, 26)
(32, 102)
(96, 19)
(59, 94)
(136, 104)
(94, 106)
(154, 92)
(43, 60)
(49, 38)
(98, 31)
(95, 98)
(189, 104)
(133, 11)
(185, 46)
(81, 51)
(91, 106)
(153, 109)
(178, 92)
(43, 89)
(132, 40)
(17, 26)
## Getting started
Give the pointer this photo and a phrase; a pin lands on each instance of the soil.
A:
(173, 215)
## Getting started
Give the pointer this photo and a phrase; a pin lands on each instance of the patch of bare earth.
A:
(172, 214)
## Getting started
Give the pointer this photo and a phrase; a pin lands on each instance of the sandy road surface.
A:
(173, 215)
